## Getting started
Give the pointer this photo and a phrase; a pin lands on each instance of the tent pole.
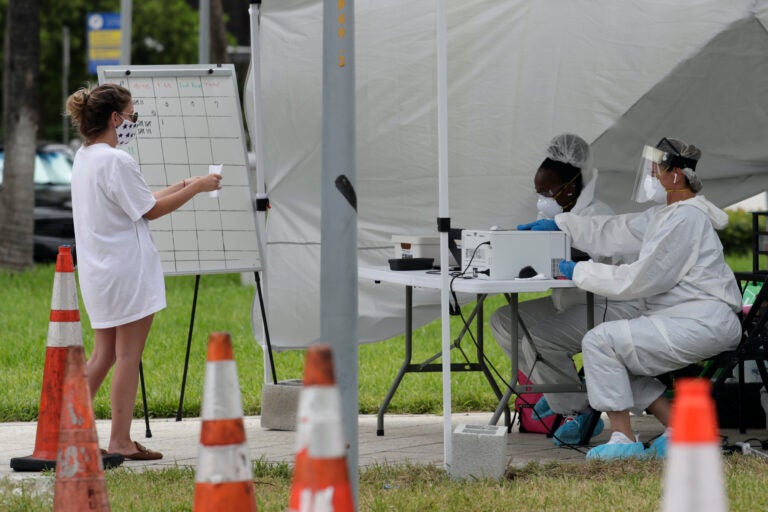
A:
(262, 202)
(443, 218)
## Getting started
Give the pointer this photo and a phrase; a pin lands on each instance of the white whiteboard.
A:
(190, 118)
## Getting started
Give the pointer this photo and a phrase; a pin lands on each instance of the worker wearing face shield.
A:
(555, 326)
(689, 294)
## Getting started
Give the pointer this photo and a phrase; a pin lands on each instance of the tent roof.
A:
(716, 99)
(620, 74)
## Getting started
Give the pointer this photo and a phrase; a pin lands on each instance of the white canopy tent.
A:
(620, 74)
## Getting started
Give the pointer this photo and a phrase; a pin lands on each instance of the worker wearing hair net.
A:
(689, 293)
(565, 181)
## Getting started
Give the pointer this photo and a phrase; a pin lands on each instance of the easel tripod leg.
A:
(189, 344)
(266, 329)
(148, 432)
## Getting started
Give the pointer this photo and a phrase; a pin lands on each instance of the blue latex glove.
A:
(566, 268)
(539, 225)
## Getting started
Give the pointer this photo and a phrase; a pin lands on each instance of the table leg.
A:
(513, 329)
(481, 356)
(406, 361)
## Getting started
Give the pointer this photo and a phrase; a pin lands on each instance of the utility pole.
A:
(338, 253)
(126, 23)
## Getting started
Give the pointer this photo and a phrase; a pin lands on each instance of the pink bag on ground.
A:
(528, 420)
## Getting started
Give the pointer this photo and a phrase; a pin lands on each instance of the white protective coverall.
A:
(557, 324)
(690, 298)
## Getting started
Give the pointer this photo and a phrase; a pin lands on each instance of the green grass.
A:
(597, 486)
(223, 304)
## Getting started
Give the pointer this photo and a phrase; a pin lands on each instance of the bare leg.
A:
(661, 408)
(129, 345)
(620, 423)
(102, 358)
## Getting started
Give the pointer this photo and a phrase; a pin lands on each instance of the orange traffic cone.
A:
(320, 479)
(80, 484)
(693, 474)
(302, 483)
(64, 331)
(224, 477)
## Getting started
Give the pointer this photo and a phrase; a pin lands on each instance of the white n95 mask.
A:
(654, 190)
(548, 207)
(126, 132)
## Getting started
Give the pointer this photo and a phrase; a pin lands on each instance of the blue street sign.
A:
(103, 29)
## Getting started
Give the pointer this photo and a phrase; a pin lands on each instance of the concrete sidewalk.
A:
(416, 439)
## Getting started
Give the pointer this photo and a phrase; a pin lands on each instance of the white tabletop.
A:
(423, 279)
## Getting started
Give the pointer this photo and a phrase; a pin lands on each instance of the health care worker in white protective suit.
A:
(690, 295)
(565, 181)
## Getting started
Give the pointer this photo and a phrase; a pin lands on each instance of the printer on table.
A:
(502, 254)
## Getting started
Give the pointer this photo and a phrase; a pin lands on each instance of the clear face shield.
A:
(647, 186)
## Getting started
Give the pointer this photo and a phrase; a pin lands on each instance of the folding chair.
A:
(752, 347)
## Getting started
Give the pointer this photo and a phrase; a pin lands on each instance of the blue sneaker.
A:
(658, 447)
(571, 431)
(542, 408)
(619, 447)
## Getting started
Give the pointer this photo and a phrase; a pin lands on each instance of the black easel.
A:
(189, 344)
(144, 398)
(266, 328)
(189, 339)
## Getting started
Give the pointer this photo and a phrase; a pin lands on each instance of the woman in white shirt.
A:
(119, 269)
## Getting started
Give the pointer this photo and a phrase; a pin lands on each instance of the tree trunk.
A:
(21, 76)
(218, 34)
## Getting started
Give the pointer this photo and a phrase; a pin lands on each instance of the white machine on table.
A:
(502, 254)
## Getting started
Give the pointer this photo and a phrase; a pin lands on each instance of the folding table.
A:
(482, 288)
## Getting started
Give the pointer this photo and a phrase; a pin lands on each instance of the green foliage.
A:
(739, 262)
(737, 237)
(170, 24)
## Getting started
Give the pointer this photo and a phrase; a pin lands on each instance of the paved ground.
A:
(416, 439)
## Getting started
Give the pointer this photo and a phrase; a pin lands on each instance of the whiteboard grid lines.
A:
(190, 119)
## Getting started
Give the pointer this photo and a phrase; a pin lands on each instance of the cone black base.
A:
(110, 460)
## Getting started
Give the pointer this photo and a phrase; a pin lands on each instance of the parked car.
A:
(53, 199)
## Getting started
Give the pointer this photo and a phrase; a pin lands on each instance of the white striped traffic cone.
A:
(224, 477)
(64, 332)
(320, 479)
(80, 483)
(693, 473)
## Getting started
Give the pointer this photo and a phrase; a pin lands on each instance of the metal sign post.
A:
(338, 253)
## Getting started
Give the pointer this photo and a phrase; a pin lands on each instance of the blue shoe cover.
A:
(542, 408)
(570, 431)
(658, 447)
(617, 451)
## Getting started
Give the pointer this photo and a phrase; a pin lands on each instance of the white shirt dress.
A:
(119, 268)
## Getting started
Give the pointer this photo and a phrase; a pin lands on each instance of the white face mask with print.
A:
(126, 131)
(548, 207)
(654, 190)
